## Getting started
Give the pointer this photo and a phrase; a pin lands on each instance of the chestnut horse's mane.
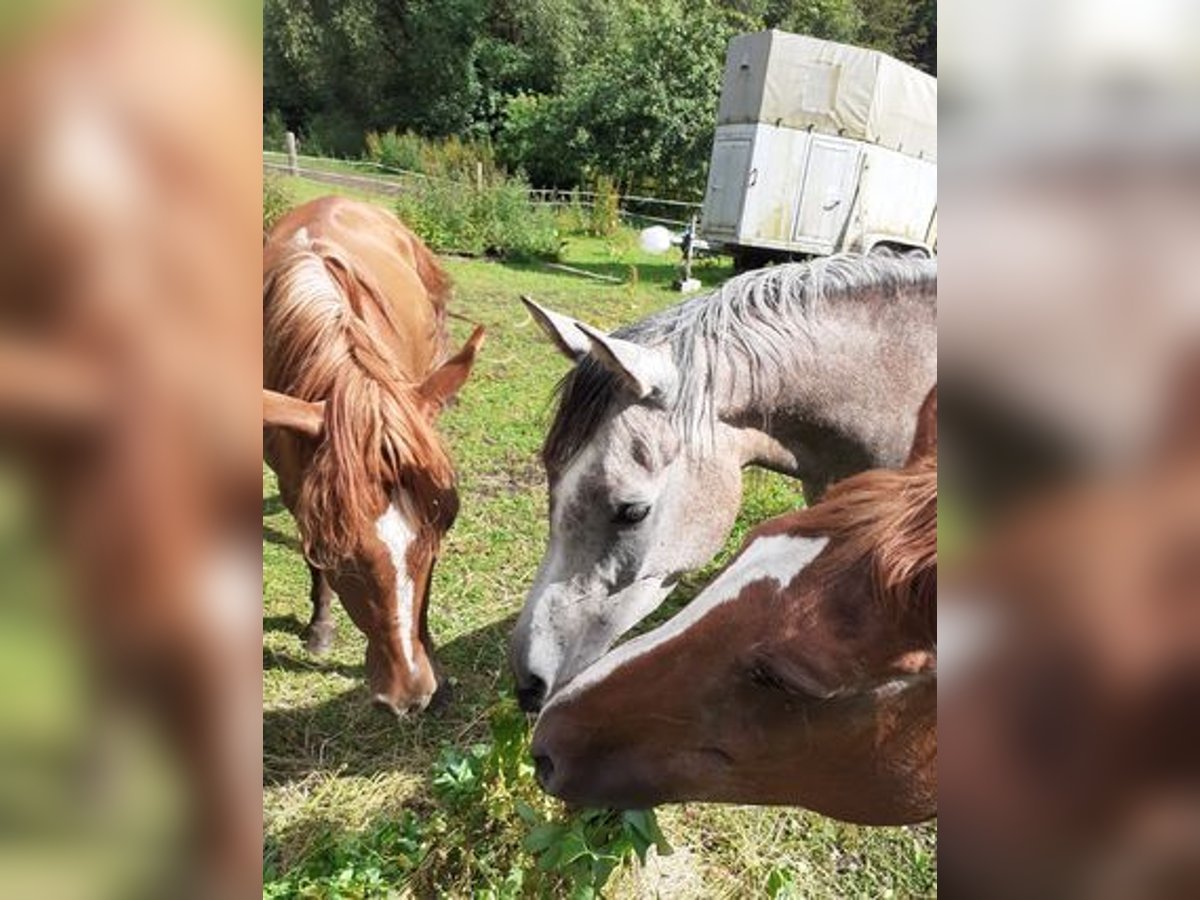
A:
(886, 518)
(319, 347)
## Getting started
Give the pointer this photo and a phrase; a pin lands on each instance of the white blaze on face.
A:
(779, 558)
(395, 530)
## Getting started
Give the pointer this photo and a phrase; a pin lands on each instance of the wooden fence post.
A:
(293, 159)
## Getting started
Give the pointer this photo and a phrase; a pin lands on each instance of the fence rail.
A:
(392, 182)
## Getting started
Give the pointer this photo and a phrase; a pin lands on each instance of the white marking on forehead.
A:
(779, 558)
(395, 530)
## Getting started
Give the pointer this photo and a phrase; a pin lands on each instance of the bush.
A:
(277, 200)
(274, 132)
(332, 133)
(606, 210)
(450, 158)
(499, 220)
(396, 151)
(572, 216)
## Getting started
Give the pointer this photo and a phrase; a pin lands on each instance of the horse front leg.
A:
(318, 636)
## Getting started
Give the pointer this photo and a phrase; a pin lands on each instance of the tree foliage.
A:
(567, 89)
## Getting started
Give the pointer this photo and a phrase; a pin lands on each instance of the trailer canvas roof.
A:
(802, 82)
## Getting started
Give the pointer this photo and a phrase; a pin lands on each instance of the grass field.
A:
(343, 784)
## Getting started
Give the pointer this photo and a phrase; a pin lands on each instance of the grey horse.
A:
(812, 369)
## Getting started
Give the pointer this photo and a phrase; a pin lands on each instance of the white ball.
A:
(655, 239)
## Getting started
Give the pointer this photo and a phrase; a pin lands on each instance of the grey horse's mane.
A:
(756, 319)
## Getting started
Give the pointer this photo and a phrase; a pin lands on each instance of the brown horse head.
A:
(363, 469)
(804, 674)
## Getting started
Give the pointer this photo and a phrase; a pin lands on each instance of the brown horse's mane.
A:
(886, 518)
(376, 435)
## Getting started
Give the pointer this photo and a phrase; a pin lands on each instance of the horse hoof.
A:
(318, 641)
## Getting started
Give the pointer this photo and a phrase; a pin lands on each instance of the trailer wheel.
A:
(746, 259)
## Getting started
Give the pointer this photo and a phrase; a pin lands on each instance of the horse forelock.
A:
(757, 319)
(886, 518)
(376, 438)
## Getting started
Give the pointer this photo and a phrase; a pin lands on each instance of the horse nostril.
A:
(544, 767)
(531, 695)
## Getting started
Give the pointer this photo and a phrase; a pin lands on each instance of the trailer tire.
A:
(746, 259)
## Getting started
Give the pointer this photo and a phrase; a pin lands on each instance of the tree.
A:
(642, 108)
(834, 20)
(568, 88)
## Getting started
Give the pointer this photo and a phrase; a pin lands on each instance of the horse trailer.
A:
(820, 148)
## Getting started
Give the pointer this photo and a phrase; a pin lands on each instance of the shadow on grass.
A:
(277, 537)
(661, 274)
(272, 505)
(285, 624)
(345, 734)
(274, 661)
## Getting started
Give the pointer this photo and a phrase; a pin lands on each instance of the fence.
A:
(389, 182)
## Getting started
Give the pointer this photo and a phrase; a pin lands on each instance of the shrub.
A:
(572, 216)
(274, 132)
(451, 158)
(277, 200)
(606, 209)
(396, 150)
(499, 220)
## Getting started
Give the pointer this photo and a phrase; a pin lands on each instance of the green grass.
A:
(339, 775)
(301, 190)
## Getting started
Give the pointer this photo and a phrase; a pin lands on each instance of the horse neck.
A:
(807, 402)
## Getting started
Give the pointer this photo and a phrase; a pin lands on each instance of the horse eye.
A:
(631, 513)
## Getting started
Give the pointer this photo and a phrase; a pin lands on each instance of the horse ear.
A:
(925, 439)
(562, 330)
(441, 385)
(301, 416)
(645, 372)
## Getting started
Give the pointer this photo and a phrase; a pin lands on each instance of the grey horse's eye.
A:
(631, 513)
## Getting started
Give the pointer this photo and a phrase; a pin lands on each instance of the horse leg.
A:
(318, 636)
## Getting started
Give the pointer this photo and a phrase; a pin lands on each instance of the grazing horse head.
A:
(803, 674)
(787, 369)
(625, 519)
(364, 471)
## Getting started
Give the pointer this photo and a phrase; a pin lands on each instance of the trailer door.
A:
(826, 193)
(727, 185)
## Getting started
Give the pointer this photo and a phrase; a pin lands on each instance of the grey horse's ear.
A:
(562, 330)
(647, 372)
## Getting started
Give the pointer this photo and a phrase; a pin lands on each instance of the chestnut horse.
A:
(129, 136)
(354, 347)
(804, 674)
